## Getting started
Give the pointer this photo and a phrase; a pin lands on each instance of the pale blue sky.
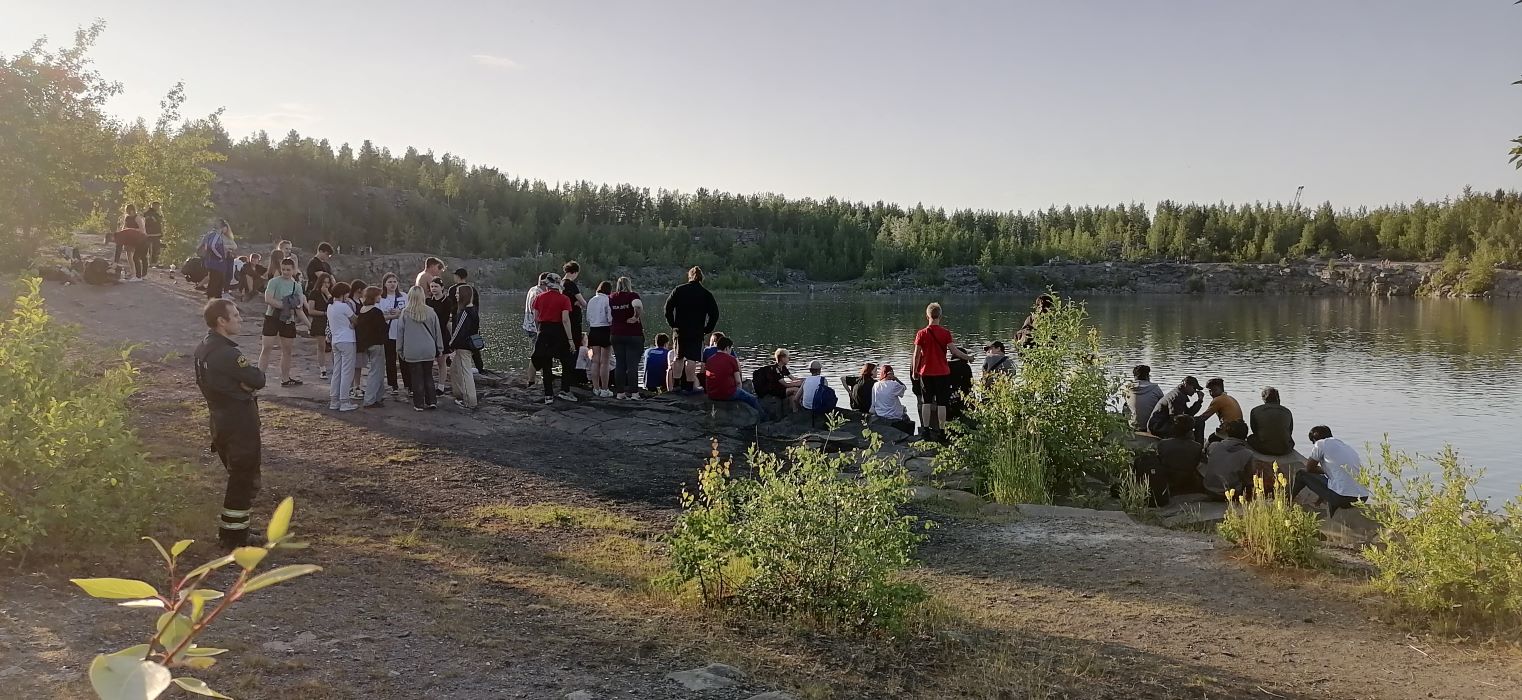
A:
(1002, 105)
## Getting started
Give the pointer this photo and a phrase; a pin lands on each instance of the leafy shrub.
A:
(1270, 528)
(1480, 274)
(72, 473)
(1443, 553)
(1060, 393)
(801, 540)
(142, 671)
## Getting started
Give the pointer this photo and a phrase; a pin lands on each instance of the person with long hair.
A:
(861, 389)
(357, 299)
(370, 336)
(340, 317)
(318, 300)
(628, 339)
(552, 310)
(393, 301)
(419, 344)
(217, 248)
(443, 307)
(466, 329)
(124, 241)
(600, 338)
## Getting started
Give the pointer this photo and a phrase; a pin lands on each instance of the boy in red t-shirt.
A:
(552, 311)
(928, 363)
(721, 375)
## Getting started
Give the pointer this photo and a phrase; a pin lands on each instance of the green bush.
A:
(72, 473)
(1444, 554)
(1061, 393)
(801, 540)
(1016, 472)
(1480, 275)
(1270, 528)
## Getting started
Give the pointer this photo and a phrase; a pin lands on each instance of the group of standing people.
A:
(141, 237)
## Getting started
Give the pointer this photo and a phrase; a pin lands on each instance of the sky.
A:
(995, 105)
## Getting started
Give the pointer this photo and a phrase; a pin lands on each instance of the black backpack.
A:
(193, 269)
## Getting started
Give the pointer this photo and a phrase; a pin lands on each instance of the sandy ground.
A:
(431, 592)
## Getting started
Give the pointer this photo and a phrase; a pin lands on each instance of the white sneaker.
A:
(634, 396)
(474, 371)
(347, 407)
(549, 399)
(567, 396)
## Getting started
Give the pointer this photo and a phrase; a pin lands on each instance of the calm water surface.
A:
(1424, 371)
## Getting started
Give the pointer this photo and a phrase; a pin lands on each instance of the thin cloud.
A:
(490, 61)
(281, 118)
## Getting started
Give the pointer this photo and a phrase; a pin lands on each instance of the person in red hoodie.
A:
(928, 363)
(721, 375)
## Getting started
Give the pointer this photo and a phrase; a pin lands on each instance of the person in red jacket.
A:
(928, 363)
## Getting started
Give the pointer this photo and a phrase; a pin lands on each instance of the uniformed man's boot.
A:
(233, 539)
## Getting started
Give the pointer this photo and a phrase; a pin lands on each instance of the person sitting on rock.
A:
(811, 385)
(888, 400)
(1222, 406)
(721, 374)
(1273, 426)
(1175, 403)
(1179, 456)
(859, 387)
(1228, 462)
(1331, 471)
(776, 380)
(655, 361)
(1141, 397)
(995, 363)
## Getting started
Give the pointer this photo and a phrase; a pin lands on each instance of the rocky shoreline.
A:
(1299, 278)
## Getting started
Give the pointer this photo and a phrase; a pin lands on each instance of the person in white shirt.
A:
(600, 338)
(531, 322)
(811, 385)
(1331, 471)
(393, 301)
(887, 400)
(345, 349)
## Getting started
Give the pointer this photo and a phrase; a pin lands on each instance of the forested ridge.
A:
(307, 190)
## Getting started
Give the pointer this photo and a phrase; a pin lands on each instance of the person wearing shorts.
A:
(928, 364)
(280, 319)
(693, 314)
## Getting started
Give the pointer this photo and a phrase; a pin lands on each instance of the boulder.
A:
(732, 414)
(1179, 514)
(710, 677)
(836, 441)
(1349, 527)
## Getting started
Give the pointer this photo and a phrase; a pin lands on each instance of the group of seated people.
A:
(1187, 461)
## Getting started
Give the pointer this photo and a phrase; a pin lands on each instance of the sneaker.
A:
(549, 400)
(635, 397)
(474, 371)
(419, 409)
(332, 407)
(348, 407)
(377, 404)
(432, 406)
(566, 396)
(395, 392)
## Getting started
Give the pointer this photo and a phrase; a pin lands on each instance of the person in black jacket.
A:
(692, 313)
(1175, 403)
(464, 337)
(229, 382)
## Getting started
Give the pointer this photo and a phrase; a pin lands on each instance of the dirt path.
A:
(506, 554)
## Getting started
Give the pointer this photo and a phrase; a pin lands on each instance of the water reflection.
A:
(1424, 371)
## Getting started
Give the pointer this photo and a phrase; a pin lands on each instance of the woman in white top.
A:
(887, 400)
(393, 300)
(600, 338)
(341, 328)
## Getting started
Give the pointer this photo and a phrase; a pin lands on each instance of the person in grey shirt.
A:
(1141, 397)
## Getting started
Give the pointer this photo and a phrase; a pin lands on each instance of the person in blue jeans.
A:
(721, 374)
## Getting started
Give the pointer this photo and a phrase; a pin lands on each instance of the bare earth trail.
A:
(435, 587)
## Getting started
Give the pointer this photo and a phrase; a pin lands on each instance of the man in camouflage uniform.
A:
(228, 381)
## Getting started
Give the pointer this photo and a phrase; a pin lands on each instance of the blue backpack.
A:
(824, 399)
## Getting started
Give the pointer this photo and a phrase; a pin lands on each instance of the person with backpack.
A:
(216, 249)
(777, 380)
(464, 338)
(816, 395)
(721, 374)
(928, 364)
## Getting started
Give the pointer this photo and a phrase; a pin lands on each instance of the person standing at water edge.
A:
(531, 321)
(432, 268)
(284, 299)
(928, 363)
(229, 383)
(463, 336)
(552, 310)
(692, 313)
(600, 338)
(569, 287)
(628, 338)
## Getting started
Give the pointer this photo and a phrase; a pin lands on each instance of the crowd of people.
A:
(1225, 461)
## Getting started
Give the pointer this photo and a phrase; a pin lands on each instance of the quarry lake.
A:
(1424, 371)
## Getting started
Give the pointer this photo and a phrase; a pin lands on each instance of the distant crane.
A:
(1296, 204)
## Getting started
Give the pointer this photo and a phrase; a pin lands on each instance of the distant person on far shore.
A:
(552, 310)
(1175, 403)
(692, 313)
(1141, 397)
(600, 338)
(723, 376)
(628, 338)
(1331, 472)
(888, 400)
(928, 363)
(1222, 406)
(656, 361)
(1273, 426)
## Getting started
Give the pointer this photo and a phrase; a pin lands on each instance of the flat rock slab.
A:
(710, 677)
(1349, 528)
(774, 695)
(1031, 510)
(1185, 514)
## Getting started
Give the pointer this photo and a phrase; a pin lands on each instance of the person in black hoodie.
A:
(692, 313)
(464, 331)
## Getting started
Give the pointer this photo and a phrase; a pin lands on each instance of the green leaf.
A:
(115, 588)
(143, 603)
(217, 563)
(249, 557)
(122, 676)
(198, 687)
(280, 522)
(282, 574)
(203, 651)
(162, 553)
(198, 600)
(180, 547)
(173, 628)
